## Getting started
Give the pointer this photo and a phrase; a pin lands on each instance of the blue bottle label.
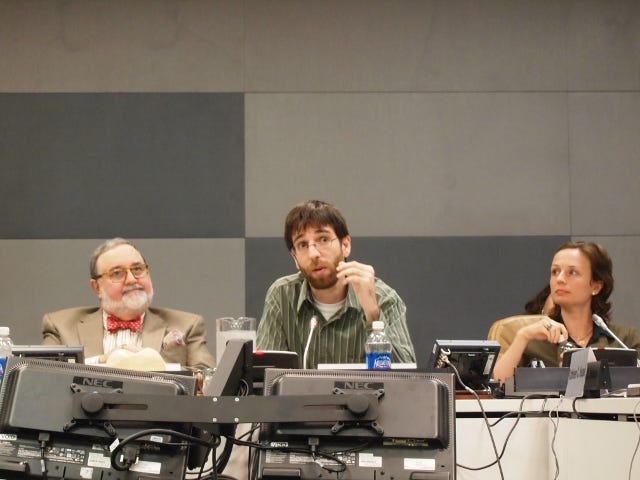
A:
(3, 364)
(379, 361)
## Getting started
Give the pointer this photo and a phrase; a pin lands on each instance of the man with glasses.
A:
(324, 312)
(121, 281)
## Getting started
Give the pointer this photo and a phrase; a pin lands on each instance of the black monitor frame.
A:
(60, 353)
(416, 420)
(36, 418)
(474, 360)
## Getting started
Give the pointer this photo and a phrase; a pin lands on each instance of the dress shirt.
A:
(289, 307)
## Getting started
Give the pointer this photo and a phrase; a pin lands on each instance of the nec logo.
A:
(359, 385)
(97, 382)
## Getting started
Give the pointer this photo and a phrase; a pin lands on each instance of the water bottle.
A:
(378, 348)
(5, 349)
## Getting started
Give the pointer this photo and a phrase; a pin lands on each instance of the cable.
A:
(555, 432)
(635, 451)
(143, 433)
(445, 359)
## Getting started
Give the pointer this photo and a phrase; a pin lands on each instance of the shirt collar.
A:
(305, 296)
(105, 315)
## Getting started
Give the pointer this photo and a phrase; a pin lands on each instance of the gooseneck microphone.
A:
(313, 323)
(597, 319)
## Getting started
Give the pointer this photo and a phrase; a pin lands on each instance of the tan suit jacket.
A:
(84, 326)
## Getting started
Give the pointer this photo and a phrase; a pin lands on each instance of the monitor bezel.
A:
(466, 351)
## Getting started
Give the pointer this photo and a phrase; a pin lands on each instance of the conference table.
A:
(553, 438)
(589, 438)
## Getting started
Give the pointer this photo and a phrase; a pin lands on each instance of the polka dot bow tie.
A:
(114, 324)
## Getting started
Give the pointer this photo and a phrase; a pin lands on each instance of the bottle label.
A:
(379, 361)
(3, 364)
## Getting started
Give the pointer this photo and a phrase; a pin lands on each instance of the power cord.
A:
(445, 359)
(635, 451)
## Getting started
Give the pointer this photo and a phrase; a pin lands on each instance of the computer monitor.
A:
(412, 436)
(473, 359)
(36, 419)
(60, 353)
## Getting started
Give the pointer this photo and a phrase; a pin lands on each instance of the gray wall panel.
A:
(605, 166)
(121, 45)
(205, 276)
(411, 164)
(453, 287)
(602, 45)
(376, 45)
(135, 165)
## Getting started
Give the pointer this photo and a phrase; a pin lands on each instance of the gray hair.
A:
(105, 247)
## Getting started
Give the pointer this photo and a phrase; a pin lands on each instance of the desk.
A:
(585, 448)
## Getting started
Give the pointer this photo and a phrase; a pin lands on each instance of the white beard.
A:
(134, 302)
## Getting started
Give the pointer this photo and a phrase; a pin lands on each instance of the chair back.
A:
(504, 330)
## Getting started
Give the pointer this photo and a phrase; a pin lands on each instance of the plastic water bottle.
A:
(5, 349)
(378, 348)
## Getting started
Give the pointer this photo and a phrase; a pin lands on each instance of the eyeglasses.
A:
(321, 244)
(119, 274)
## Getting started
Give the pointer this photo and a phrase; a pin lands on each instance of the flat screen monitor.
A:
(412, 436)
(36, 403)
(473, 359)
(60, 353)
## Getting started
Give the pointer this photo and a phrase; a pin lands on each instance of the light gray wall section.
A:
(205, 276)
(605, 163)
(462, 122)
(412, 164)
(121, 46)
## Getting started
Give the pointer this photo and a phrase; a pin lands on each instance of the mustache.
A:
(132, 288)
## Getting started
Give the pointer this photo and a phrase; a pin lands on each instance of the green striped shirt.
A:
(289, 307)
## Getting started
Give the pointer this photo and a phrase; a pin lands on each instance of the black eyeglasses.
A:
(119, 274)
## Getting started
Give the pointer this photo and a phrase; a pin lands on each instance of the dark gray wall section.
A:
(454, 287)
(144, 165)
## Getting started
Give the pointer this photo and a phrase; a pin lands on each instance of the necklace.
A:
(585, 338)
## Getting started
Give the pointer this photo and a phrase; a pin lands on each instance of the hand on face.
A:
(362, 278)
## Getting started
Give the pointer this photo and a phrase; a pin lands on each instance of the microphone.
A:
(313, 323)
(597, 319)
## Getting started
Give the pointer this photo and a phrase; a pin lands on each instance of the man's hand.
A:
(362, 279)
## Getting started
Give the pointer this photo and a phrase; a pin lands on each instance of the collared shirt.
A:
(285, 324)
(111, 341)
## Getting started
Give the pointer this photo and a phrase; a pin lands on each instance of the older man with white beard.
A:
(121, 281)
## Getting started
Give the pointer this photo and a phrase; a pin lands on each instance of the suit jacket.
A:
(84, 326)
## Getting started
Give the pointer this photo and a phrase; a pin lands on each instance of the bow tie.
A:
(114, 324)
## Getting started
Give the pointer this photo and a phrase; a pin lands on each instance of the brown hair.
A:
(601, 271)
(314, 213)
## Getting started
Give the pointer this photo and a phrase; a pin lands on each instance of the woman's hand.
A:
(545, 329)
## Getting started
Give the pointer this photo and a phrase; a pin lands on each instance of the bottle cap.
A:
(5, 331)
(378, 325)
